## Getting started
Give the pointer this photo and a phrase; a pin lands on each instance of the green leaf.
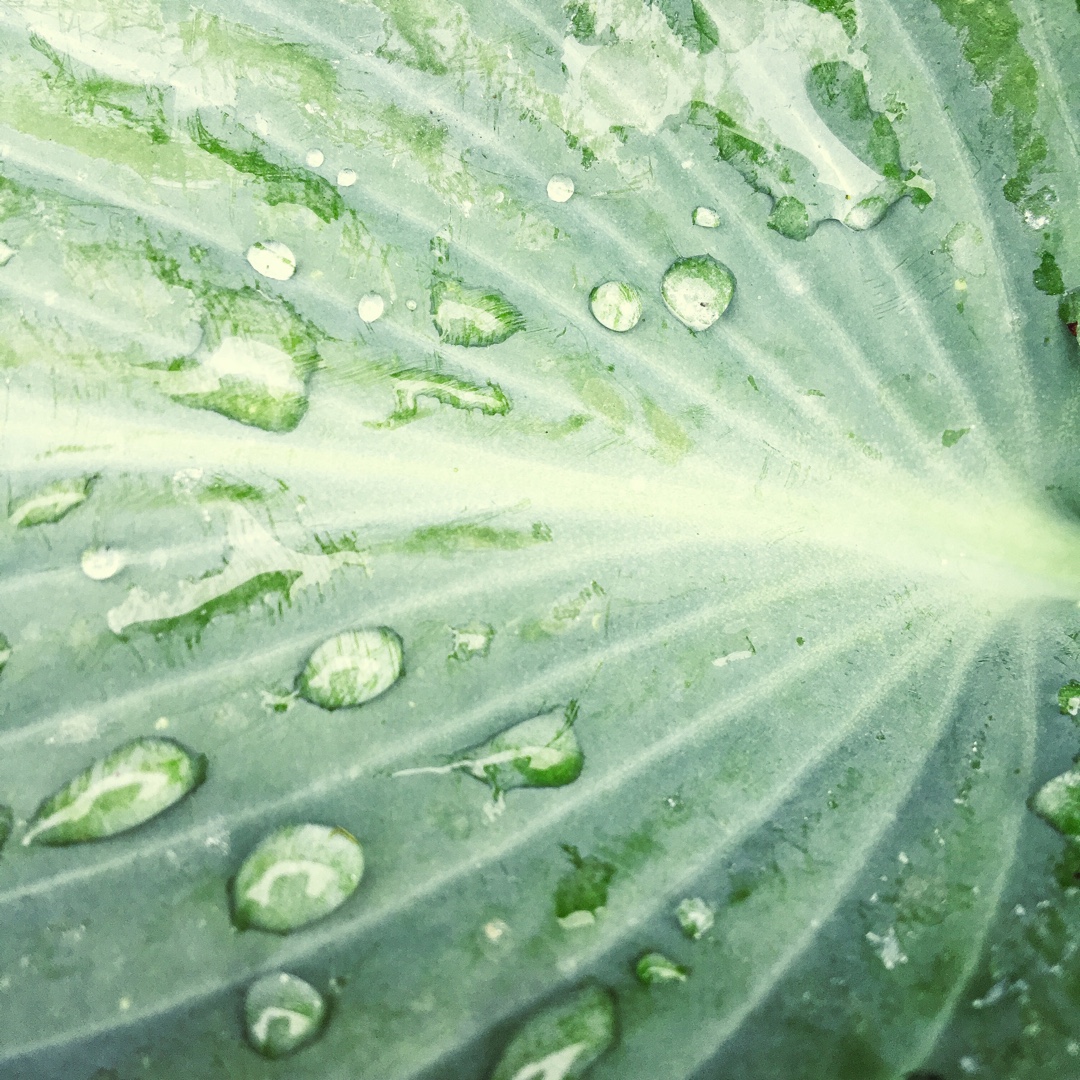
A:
(378, 377)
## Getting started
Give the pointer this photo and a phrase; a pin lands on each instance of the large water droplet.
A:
(655, 967)
(616, 305)
(314, 158)
(540, 752)
(560, 189)
(272, 259)
(695, 917)
(136, 782)
(562, 1041)
(346, 178)
(296, 875)
(371, 307)
(352, 668)
(283, 1013)
(473, 317)
(100, 564)
(697, 290)
(706, 217)
(51, 502)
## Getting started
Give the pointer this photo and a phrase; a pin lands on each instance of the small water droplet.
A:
(1058, 803)
(616, 305)
(706, 217)
(262, 126)
(560, 189)
(697, 290)
(468, 316)
(135, 783)
(472, 639)
(7, 823)
(370, 307)
(1069, 699)
(655, 967)
(282, 1014)
(296, 875)
(581, 893)
(161, 723)
(346, 178)
(351, 668)
(563, 1040)
(6, 253)
(496, 930)
(314, 158)
(695, 917)
(51, 502)
(5, 651)
(100, 564)
(410, 304)
(272, 259)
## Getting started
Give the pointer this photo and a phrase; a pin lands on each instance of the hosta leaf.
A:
(381, 377)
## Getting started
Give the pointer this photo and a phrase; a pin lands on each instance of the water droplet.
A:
(695, 917)
(616, 305)
(697, 290)
(7, 823)
(540, 752)
(887, 946)
(560, 189)
(5, 651)
(472, 639)
(282, 1013)
(472, 317)
(581, 893)
(135, 783)
(51, 502)
(272, 259)
(100, 564)
(296, 875)
(352, 668)
(314, 158)
(411, 385)
(1069, 698)
(1058, 802)
(655, 967)
(346, 178)
(562, 1041)
(706, 217)
(6, 253)
(867, 213)
(410, 304)
(1069, 310)
(370, 307)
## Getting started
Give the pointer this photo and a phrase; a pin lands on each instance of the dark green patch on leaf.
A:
(1047, 276)
(585, 887)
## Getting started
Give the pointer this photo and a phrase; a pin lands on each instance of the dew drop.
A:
(5, 651)
(282, 1013)
(100, 564)
(472, 639)
(272, 259)
(655, 967)
(1069, 698)
(581, 893)
(469, 316)
(697, 290)
(314, 158)
(6, 253)
(410, 304)
(351, 668)
(370, 307)
(1058, 803)
(135, 783)
(706, 217)
(560, 189)
(51, 502)
(695, 917)
(346, 178)
(7, 823)
(616, 305)
(296, 875)
(563, 1040)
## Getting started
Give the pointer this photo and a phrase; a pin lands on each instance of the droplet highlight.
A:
(705, 217)
(282, 1014)
(655, 967)
(697, 290)
(562, 1041)
(371, 307)
(352, 668)
(100, 564)
(560, 189)
(616, 305)
(272, 259)
(135, 783)
(51, 502)
(296, 875)
(695, 917)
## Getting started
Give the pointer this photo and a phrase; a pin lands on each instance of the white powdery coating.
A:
(272, 259)
(346, 178)
(314, 158)
(100, 564)
(371, 307)
(560, 189)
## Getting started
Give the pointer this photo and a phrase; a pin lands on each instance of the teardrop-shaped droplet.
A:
(136, 782)
(867, 213)
(282, 1014)
(272, 259)
(473, 317)
(655, 967)
(1058, 803)
(296, 875)
(51, 502)
(695, 917)
(5, 651)
(7, 823)
(697, 290)
(616, 305)
(563, 1041)
(352, 668)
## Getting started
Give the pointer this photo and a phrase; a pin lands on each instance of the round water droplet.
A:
(314, 158)
(560, 188)
(296, 875)
(371, 307)
(351, 668)
(616, 305)
(695, 917)
(100, 564)
(346, 178)
(706, 217)
(697, 290)
(272, 259)
(410, 304)
(282, 1014)
(655, 967)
